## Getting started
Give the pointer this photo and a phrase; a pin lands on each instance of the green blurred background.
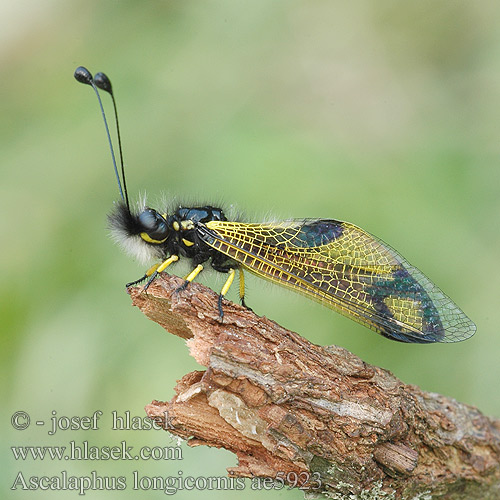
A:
(383, 114)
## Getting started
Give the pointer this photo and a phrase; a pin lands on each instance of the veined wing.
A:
(347, 269)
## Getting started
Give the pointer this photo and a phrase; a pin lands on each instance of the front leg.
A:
(152, 271)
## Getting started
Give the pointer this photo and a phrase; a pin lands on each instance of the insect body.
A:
(165, 238)
(333, 262)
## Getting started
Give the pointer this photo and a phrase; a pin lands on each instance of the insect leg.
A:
(149, 272)
(225, 289)
(153, 271)
(242, 288)
(190, 277)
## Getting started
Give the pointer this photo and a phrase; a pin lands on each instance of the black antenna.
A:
(104, 83)
(83, 75)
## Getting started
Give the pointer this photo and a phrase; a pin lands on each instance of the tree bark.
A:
(315, 417)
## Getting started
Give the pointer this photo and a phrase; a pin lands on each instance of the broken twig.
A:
(316, 417)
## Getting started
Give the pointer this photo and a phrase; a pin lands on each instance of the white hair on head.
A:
(132, 244)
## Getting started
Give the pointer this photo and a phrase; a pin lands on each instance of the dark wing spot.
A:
(317, 233)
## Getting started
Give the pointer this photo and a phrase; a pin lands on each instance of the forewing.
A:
(347, 269)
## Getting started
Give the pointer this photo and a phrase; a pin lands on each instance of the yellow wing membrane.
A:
(348, 270)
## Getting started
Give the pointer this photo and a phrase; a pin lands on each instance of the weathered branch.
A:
(319, 415)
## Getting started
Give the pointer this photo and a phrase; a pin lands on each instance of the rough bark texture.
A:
(317, 416)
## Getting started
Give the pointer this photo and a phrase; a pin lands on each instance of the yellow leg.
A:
(153, 271)
(228, 283)
(192, 275)
(225, 289)
(161, 267)
(242, 286)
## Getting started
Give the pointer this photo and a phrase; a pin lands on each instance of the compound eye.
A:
(154, 226)
(148, 219)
